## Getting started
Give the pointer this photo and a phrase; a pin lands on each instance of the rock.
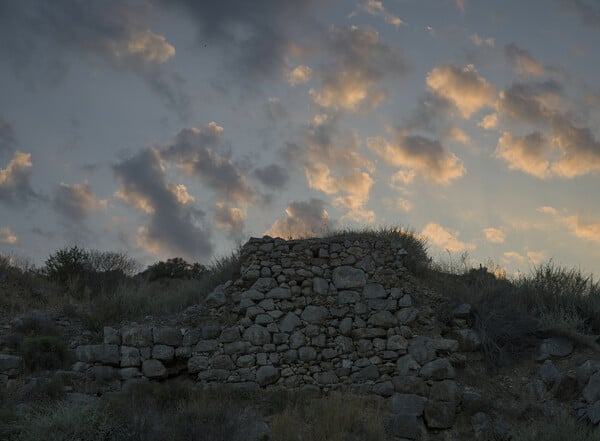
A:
(383, 319)
(315, 314)
(197, 364)
(549, 373)
(384, 389)
(405, 301)
(585, 371)
(266, 375)
(462, 311)
(404, 426)
(252, 294)
(229, 335)
(191, 337)
(154, 369)
(163, 352)
(468, 339)
(111, 336)
(369, 372)
(137, 336)
(345, 297)
(320, 286)
(346, 326)
(407, 315)
(439, 415)
(502, 429)
(264, 284)
(167, 335)
(326, 378)
(217, 297)
(593, 412)
(307, 353)
(439, 369)
(397, 343)
(407, 404)
(222, 362)
(211, 331)
(206, 346)
(257, 335)
(289, 322)
(374, 291)
(482, 426)
(446, 390)
(407, 365)
(245, 361)
(344, 277)
(445, 344)
(279, 293)
(591, 392)
(11, 363)
(555, 347)
(130, 357)
(107, 354)
(409, 384)
(422, 349)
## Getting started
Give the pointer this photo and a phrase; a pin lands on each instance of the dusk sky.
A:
(183, 127)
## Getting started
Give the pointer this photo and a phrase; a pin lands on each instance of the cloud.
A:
(494, 235)
(273, 176)
(74, 202)
(421, 155)
(15, 186)
(478, 41)
(303, 219)
(8, 139)
(525, 153)
(7, 236)
(444, 238)
(275, 110)
(531, 102)
(174, 221)
(256, 37)
(231, 219)
(359, 64)
(461, 5)
(333, 163)
(533, 257)
(464, 87)
(586, 229)
(194, 152)
(523, 62)
(489, 122)
(573, 151)
(376, 8)
(299, 75)
(588, 11)
(38, 36)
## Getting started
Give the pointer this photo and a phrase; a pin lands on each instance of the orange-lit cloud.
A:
(489, 122)
(360, 62)
(581, 228)
(74, 202)
(479, 41)
(376, 8)
(494, 235)
(525, 153)
(303, 219)
(423, 156)
(145, 46)
(299, 75)
(463, 86)
(230, 218)
(461, 5)
(15, 187)
(7, 236)
(444, 238)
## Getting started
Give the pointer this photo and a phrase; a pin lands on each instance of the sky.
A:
(165, 128)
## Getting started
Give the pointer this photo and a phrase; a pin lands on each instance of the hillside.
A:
(353, 336)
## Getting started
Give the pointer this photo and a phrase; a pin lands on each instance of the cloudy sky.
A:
(183, 127)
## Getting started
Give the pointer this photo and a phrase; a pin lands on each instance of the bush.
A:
(67, 264)
(174, 268)
(44, 352)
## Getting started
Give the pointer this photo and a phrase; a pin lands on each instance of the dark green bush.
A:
(44, 352)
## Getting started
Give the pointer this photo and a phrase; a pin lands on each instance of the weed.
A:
(44, 352)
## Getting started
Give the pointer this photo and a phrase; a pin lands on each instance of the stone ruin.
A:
(322, 315)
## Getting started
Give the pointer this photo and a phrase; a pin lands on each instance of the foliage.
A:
(174, 268)
(560, 428)
(44, 352)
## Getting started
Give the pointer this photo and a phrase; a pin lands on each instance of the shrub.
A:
(44, 352)
(175, 268)
(560, 428)
(67, 264)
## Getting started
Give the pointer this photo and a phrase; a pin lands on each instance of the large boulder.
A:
(257, 335)
(266, 375)
(345, 277)
(315, 314)
(107, 354)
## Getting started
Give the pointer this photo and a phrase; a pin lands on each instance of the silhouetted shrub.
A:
(174, 268)
(44, 352)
